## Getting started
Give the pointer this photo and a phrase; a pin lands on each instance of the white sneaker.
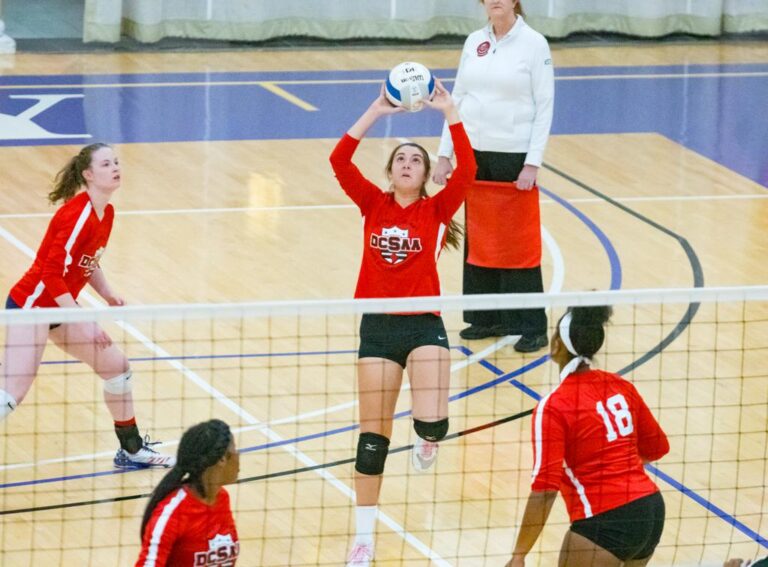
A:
(144, 458)
(361, 555)
(424, 454)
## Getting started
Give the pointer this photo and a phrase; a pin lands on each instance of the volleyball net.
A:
(283, 375)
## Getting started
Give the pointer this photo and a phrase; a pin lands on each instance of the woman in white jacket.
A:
(505, 92)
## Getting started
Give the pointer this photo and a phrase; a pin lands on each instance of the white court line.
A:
(282, 421)
(195, 211)
(667, 198)
(558, 264)
(206, 84)
(247, 417)
(305, 208)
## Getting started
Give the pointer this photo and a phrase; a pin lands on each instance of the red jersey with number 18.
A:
(591, 435)
(186, 532)
(402, 244)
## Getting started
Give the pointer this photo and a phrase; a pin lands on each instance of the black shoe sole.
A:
(531, 345)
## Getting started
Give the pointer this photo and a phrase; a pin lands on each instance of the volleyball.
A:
(408, 85)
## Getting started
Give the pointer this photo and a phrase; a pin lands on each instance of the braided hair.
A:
(201, 447)
(70, 178)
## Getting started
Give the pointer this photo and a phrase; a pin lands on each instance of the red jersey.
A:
(401, 245)
(68, 255)
(186, 532)
(590, 437)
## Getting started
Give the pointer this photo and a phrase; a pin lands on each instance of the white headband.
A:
(565, 332)
(565, 337)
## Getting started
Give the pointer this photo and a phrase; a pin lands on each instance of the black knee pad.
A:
(431, 430)
(372, 450)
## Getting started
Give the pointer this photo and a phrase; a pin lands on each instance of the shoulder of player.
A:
(71, 210)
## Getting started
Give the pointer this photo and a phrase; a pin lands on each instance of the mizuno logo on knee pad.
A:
(431, 430)
(372, 450)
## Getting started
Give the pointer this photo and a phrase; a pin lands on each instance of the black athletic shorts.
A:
(394, 336)
(11, 304)
(631, 531)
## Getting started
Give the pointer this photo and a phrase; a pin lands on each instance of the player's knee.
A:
(372, 450)
(120, 384)
(431, 430)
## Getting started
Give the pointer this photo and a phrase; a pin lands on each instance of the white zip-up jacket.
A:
(505, 91)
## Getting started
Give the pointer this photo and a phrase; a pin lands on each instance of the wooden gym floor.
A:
(227, 196)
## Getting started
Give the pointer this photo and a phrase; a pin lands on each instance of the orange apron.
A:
(504, 225)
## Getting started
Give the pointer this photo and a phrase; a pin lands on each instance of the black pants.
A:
(631, 531)
(394, 337)
(497, 166)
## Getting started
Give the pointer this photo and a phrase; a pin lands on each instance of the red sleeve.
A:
(354, 184)
(159, 537)
(455, 191)
(549, 429)
(652, 442)
(61, 228)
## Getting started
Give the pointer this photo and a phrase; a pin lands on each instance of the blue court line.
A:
(613, 257)
(615, 283)
(722, 514)
(508, 377)
(502, 377)
(64, 478)
(365, 74)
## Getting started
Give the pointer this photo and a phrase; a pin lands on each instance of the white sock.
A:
(7, 404)
(365, 523)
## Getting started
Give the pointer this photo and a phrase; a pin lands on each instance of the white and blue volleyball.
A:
(408, 85)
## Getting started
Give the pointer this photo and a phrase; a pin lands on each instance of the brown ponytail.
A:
(70, 178)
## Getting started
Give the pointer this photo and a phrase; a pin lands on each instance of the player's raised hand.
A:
(443, 101)
(382, 105)
(441, 98)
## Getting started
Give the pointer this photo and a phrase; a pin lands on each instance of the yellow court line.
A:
(269, 84)
(274, 89)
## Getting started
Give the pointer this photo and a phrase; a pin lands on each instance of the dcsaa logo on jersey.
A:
(90, 263)
(394, 244)
(222, 552)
